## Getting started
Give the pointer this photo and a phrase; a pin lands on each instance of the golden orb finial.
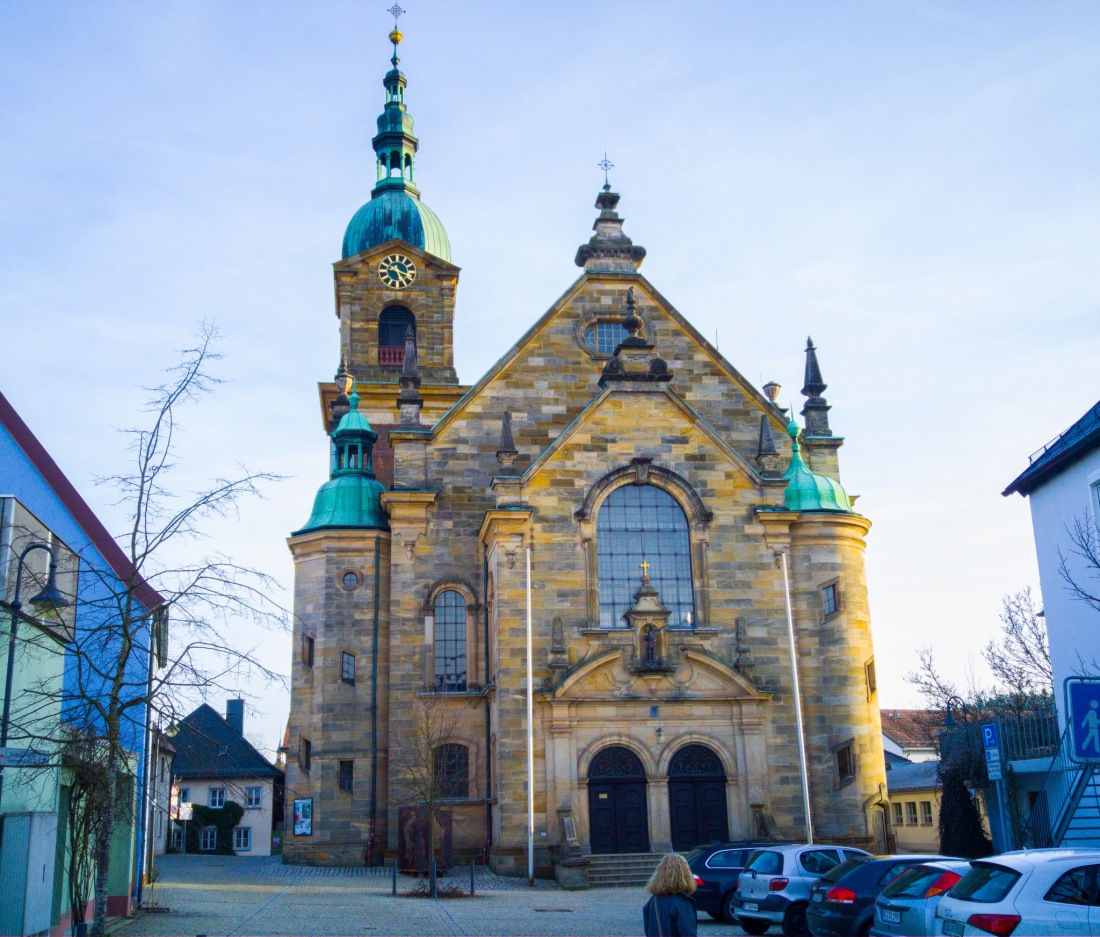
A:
(395, 36)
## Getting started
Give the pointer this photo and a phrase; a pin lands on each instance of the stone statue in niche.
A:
(650, 640)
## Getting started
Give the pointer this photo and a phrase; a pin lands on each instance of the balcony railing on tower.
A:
(391, 356)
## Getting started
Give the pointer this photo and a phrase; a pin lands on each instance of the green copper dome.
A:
(396, 213)
(352, 497)
(809, 491)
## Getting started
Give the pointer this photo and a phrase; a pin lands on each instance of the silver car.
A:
(1040, 891)
(907, 906)
(775, 886)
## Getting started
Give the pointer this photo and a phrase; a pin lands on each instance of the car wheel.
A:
(725, 906)
(865, 930)
(794, 921)
(754, 926)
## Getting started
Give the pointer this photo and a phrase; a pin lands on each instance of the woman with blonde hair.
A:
(671, 912)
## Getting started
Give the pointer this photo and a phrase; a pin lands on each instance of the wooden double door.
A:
(697, 798)
(618, 811)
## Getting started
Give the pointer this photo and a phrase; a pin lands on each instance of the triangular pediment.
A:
(696, 676)
(394, 246)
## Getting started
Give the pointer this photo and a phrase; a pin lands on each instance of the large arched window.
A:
(450, 642)
(392, 326)
(636, 524)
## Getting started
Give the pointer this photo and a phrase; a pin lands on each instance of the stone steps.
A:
(622, 870)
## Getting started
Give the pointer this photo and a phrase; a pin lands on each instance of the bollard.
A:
(395, 878)
(471, 878)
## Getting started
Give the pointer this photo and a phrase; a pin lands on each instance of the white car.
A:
(1041, 891)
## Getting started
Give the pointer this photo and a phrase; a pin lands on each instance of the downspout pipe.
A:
(530, 739)
(373, 841)
(797, 702)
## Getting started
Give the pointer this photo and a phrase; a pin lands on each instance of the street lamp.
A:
(49, 598)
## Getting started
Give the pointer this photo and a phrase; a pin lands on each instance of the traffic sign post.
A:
(992, 744)
(1083, 718)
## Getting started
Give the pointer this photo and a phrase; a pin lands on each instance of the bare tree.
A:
(428, 765)
(121, 672)
(1084, 535)
(1021, 660)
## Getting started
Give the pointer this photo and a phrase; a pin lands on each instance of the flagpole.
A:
(797, 704)
(530, 740)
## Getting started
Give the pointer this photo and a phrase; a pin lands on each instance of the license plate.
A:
(953, 928)
(818, 896)
(750, 906)
(889, 917)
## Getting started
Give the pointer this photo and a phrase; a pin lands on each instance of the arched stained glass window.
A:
(640, 523)
(450, 642)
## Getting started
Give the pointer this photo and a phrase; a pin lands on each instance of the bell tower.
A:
(396, 275)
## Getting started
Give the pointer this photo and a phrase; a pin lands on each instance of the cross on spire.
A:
(645, 567)
(395, 11)
(605, 164)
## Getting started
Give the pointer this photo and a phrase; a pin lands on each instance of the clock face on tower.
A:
(397, 271)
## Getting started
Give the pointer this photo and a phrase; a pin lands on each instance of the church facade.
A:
(615, 489)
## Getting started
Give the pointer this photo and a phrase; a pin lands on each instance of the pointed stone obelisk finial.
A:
(507, 453)
(816, 408)
(767, 453)
(409, 401)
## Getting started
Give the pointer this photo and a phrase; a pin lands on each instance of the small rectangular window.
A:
(347, 776)
(216, 797)
(307, 650)
(242, 838)
(845, 763)
(926, 813)
(253, 797)
(899, 816)
(305, 754)
(177, 839)
(209, 839)
(185, 795)
(830, 599)
(347, 667)
(872, 680)
(911, 812)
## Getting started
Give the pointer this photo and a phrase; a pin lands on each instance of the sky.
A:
(914, 184)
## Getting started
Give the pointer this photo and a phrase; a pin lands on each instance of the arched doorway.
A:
(697, 798)
(617, 811)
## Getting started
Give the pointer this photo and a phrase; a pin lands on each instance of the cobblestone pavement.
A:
(233, 895)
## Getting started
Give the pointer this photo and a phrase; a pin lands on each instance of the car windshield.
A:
(985, 882)
(766, 863)
(836, 873)
(695, 853)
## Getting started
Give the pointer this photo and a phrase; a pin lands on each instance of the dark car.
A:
(716, 868)
(842, 901)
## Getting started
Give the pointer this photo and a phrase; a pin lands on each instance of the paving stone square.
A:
(234, 895)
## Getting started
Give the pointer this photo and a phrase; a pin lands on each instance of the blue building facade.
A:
(41, 505)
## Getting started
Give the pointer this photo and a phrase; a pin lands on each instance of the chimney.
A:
(234, 715)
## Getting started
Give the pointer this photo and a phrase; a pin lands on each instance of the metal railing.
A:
(1028, 735)
(1050, 813)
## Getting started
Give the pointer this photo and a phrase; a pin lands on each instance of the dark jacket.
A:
(670, 916)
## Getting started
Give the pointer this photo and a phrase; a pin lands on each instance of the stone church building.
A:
(616, 482)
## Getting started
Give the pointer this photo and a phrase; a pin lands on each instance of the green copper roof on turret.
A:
(395, 209)
(351, 498)
(810, 491)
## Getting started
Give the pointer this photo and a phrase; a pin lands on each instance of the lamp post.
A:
(49, 598)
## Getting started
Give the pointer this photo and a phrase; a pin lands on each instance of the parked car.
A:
(774, 888)
(716, 869)
(842, 901)
(907, 905)
(1041, 891)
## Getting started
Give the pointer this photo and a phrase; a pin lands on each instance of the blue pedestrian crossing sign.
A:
(1083, 717)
